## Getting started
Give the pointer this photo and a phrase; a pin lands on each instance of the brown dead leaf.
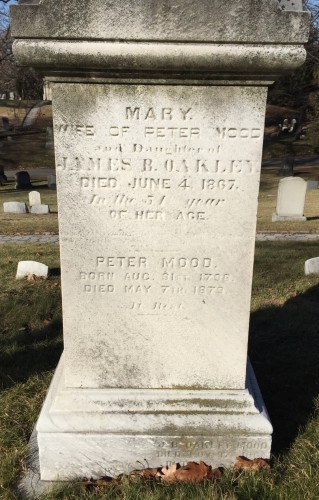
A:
(31, 277)
(149, 473)
(97, 485)
(192, 472)
(244, 463)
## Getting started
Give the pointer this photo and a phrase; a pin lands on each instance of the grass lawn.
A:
(284, 343)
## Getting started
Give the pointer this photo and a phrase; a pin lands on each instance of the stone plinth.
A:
(158, 142)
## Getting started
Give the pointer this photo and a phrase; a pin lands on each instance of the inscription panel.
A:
(157, 192)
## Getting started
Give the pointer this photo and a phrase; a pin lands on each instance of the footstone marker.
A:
(291, 200)
(312, 184)
(34, 198)
(15, 207)
(312, 266)
(52, 181)
(158, 166)
(40, 209)
(27, 267)
(22, 180)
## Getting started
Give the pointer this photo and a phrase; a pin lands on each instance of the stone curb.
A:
(54, 238)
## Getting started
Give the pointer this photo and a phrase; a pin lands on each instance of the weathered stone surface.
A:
(15, 207)
(158, 168)
(40, 209)
(178, 20)
(26, 267)
(312, 266)
(114, 429)
(180, 165)
(290, 199)
(34, 198)
(52, 35)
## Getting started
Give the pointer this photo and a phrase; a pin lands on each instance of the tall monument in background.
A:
(158, 125)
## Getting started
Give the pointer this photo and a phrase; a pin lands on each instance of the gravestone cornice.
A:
(218, 40)
(150, 60)
(218, 21)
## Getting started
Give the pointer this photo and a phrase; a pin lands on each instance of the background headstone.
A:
(27, 267)
(290, 199)
(312, 184)
(34, 198)
(3, 177)
(312, 266)
(287, 168)
(23, 180)
(40, 209)
(15, 207)
(52, 181)
(50, 138)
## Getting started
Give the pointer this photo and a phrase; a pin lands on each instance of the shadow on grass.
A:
(55, 271)
(29, 352)
(284, 351)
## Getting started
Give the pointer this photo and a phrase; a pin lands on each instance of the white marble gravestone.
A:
(15, 207)
(27, 267)
(34, 198)
(291, 200)
(40, 209)
(158, 166)
(312, 266)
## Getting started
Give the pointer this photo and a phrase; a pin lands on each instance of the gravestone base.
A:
(283, 218)
(96, 432)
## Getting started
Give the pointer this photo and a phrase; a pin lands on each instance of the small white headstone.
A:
(34, 198)
(40, 209)
(26, 267)
(52, 181)
(312, 266)
(312, 184)
(15, 207)
(291, 199)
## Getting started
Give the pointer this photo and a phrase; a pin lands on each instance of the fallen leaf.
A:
(98, 484)
(192, 472)
(31, 277)
(244, 463)
(149, 473)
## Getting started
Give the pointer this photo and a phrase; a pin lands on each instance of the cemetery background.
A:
(288, 374)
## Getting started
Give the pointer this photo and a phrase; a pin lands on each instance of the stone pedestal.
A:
(158, 144)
